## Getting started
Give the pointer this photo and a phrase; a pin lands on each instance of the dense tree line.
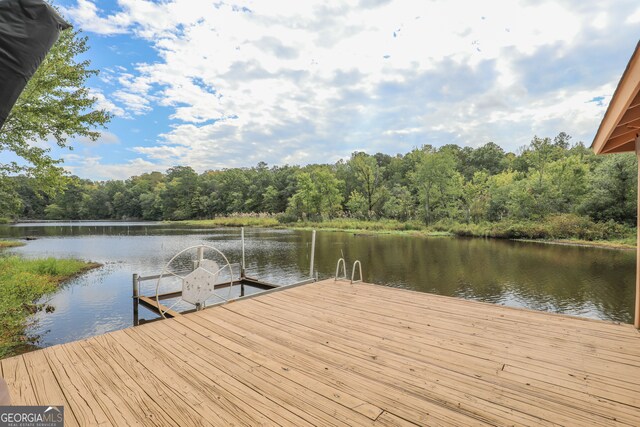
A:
(549, 176)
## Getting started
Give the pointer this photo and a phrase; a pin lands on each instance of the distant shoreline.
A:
(409, 228)
(31, 221)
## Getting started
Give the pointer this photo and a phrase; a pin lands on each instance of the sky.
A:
(216, 84)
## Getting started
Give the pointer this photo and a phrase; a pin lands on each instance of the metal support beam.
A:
(257, 294)
(636, 321)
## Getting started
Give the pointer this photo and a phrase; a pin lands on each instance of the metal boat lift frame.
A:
(152, 303)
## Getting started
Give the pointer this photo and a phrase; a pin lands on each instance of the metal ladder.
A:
(341, 262)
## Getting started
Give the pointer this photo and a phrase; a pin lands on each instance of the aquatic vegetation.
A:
(10, 244)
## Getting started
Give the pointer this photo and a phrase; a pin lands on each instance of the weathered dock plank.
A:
(340, 354)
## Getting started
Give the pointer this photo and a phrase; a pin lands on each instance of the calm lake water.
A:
(590, 282)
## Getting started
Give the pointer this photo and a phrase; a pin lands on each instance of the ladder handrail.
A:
(353, 271)
(344, 270)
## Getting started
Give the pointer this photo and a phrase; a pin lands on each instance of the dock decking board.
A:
(341, 354)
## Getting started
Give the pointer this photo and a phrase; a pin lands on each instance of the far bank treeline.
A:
(549, 178)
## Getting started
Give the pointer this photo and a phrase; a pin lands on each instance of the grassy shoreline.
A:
(10, 244)
(23, 282)
(562, 230)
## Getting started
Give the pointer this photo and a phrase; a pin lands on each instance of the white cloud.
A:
(86, 13)
(102, 103)
(287, 81)
(162, 152)
(600, 21)
(634, 18)
(104, 138)
(94, 167)
(135, 103)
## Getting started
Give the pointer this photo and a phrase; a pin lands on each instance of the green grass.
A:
(234, 221)
(609, 244)
(22, 283)
(10, 244)
(347, 224)
(338, 224)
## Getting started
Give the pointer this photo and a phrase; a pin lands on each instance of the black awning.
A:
(28, 29)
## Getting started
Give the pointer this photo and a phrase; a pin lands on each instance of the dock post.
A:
(242, 238)
(136, 284)
(313, 252)
(636, 317)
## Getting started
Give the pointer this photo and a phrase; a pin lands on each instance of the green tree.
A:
(612, 193)
(319, 194)
(357, 205)
(435, 177)
(270, 200)
(54, 105)
(489, 158)
(32, 202)
(70, 203)
(259, 178)
(233, 185)
(541, 155)
(400, 204)
(10, 200)
(475, 197)
(151, 203)
(368, 176)
(501, 188)
(569, 178)
(97, 203)
(177, 197)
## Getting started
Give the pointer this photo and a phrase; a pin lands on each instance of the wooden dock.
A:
(340, 354)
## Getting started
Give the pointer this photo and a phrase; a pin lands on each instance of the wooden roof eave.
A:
(621, 122)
